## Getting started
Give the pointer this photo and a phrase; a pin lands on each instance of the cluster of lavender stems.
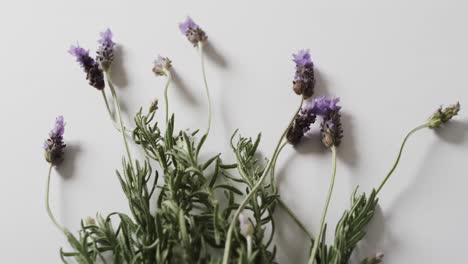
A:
(301, 122)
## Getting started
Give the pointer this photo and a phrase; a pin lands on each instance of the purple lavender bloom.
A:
(54, 145)
(105, 53)
(301, 124)
(304, 78)
(302, 57)
(192, 31)
(331, 128)
(93, 73)
(162, 65)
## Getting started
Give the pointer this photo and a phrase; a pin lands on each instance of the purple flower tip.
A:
(106, 38)
(59, 127)
(302, 57)
(186, 25)
(323, 105)
(78, 52)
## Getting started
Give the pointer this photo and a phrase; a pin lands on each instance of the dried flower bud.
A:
(162, 65)
(373, 259)
(54, 145)
(443, 115)
(246, 228)
(94, 74)
(90, 221)
(153, 106)
(192, 31)
(105, 53)
(304, 79)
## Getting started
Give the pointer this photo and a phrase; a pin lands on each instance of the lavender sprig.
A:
(54, 145)
(105, 53)
(304, 78)
(93, 72)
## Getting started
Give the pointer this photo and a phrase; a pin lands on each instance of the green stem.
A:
(49, 212)
(166, 100)
(327, 203)
(202, 60)
(109, 111)
(399, 155)
(294, 217)
(227, 247)
(249, 247)
(119, 112)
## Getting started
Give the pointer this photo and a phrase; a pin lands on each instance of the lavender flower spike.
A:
(162, 65)
(331, 129)
(93, 73)
(105, 53)
(192, 31)
(301, 124)
(54, 145)
(304, 79)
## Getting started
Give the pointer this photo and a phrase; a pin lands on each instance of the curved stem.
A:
(49, 212)
(109, 111)
(166, 87)
(325, 208)
(119, 112)
(399, 155)
(294, 217)
(202, 60)
(227, 247)
(249, 247)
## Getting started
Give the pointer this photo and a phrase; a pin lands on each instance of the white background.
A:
(391, 63)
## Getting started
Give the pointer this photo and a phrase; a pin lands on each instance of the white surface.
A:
(392, 64)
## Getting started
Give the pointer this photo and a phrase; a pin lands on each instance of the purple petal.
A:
(187, 24)
(302, 57)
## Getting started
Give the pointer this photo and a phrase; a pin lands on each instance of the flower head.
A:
(443, 115)
(330, 128)
(162, 65)
(105, 53)
(304, 79)
(54, 145)
(301, 125)
(93, 73)
(246, 228)
(192, 31)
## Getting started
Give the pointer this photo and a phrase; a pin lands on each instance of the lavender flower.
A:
(93, 73)
(162, 65)
(304, 79)
(443, 115)
(301, 124)
(246, 228)
(105, 53)
(331, 130)
(192, 31)
(54, 145)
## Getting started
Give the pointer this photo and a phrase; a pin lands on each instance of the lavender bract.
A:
(94, 74)
(304, 79)
(54, 145)
(192, 31)
(105, 53)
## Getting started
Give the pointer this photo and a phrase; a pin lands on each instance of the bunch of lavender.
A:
(185, 209)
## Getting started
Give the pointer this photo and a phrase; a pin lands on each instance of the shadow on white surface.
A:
(66, 170)
(183, 89)
(118, 73)
(215, 56)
